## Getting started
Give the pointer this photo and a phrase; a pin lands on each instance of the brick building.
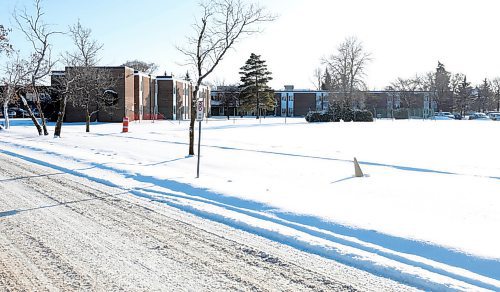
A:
(292, 102)
(140, 96)
(175, 95)
(122, 91)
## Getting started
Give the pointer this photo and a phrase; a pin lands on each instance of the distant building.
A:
(141, 97)
(289, 101)
(123, 91)
(174, 97)
(225, 101)
(292, 102)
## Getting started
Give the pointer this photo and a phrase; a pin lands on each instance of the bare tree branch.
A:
(41, 63)
(220, 26)
(348, 67)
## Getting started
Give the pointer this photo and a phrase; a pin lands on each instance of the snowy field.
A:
(427, 212)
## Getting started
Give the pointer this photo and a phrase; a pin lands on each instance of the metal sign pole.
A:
(200, 109)
(199, 144)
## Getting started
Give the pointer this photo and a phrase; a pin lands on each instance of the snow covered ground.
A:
(426, 213)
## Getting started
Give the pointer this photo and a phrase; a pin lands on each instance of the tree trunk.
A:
(42, 117)
(87, 120)
(193, 119)
(39, 108)
(60, 117)
(6, 114)
(32, 116)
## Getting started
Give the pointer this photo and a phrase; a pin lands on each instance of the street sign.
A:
(200, 109)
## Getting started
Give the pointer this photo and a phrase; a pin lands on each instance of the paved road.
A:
(59, 232)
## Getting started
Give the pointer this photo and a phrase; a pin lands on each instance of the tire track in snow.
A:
(58, 223)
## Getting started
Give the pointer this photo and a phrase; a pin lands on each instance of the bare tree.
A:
(348, 68)
(78, 78)
(95, 91)
(41, 63)
(495, 87)
(5, 46)
(221, 25)
(14, 79)
(148, 68)
(227, 97)
(64, 88)
(405, 90)
(318, 78)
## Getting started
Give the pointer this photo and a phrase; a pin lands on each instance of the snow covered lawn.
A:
(426, 213)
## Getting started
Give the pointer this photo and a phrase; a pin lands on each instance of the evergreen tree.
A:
(187, 77)
(327, 81)
(464, 95)
(255, 93)
(483, 98)
(442, 83)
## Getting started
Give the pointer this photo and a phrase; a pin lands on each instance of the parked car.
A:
(11, 113)
(457, 116)
(494, 116)
(20, 113)
(444, 116)
(478, 116)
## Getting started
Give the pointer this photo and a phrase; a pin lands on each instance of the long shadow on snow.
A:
(398, 167)
(486, 267)
(347, 259)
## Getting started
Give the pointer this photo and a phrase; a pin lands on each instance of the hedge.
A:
(337, 114)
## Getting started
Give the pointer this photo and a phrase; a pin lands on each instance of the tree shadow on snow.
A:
(305, 223)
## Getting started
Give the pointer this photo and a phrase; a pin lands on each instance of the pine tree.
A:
(464, 95)
(255, 93)
(442, 82)
(484, 95)
(327, 81)
(187, 77)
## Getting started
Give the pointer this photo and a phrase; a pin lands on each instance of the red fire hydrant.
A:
(125, 125)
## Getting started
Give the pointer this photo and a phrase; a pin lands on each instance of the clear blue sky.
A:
(404, 37)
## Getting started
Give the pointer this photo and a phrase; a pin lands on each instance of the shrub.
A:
(314, 117)
(363, 116)
(347, 114)
(336, 112)
(400, 114)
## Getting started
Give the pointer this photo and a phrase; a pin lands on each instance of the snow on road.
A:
(59, 232)
(426, 214)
